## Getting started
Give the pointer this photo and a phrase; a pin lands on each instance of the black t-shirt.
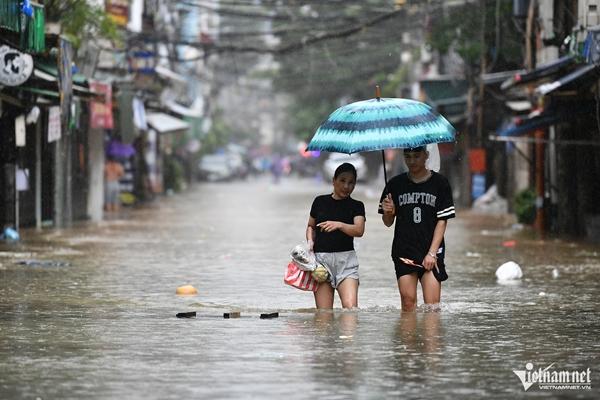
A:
(419, 206)
(326, 208)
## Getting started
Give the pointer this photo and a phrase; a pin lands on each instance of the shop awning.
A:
(496, 78)
(522, 126)
(168, 74)
(541, 72)
(575, 79)
(447, 96)
(48, 73)
(43, 92)
(164, 123)
(196, 110)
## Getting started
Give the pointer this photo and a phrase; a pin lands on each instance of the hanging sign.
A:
(53, 123)
(142, 61)
(118, 11)
(22, 179)
(15, 67)
(20, 131)
(101, 113)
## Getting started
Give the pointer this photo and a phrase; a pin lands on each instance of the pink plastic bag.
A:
(299, 279)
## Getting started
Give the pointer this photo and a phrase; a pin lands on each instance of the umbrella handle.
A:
(384, 170)
(377, 92)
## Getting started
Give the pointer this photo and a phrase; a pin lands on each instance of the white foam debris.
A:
(509, 271)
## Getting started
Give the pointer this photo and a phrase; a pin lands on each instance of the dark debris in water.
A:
(191, 314)
(269, 315)
(43, 263)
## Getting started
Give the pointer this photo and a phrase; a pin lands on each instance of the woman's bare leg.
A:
(324, 296)
(348, 292)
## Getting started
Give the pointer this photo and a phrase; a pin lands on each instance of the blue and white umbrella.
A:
(379, 124)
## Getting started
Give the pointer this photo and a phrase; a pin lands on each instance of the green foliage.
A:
(461, 27)
(79, 20)
(525, 206)
(325, 75)
(174, 178)
(218, 135)
(306, 117)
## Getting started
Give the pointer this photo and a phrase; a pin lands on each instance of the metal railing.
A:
(31, 30)
(10, 15)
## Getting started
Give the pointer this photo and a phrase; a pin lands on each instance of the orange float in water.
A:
(186, 290)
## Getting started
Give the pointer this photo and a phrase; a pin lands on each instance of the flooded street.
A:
(95, 317)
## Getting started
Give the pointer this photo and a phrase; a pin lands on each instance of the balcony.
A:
(29, 32)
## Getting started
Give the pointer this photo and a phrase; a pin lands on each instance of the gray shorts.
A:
(111, 192)
(341, 265)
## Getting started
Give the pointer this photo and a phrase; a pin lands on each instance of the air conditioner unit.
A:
(589, 13)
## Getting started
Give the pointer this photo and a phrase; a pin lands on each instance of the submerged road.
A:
(89, 311)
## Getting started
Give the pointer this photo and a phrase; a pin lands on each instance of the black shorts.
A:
(405, 269)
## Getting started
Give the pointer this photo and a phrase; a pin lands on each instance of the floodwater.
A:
(95, 317)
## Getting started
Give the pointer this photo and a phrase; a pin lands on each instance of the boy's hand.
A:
(387, 205)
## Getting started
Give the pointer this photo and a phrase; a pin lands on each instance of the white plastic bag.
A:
(433, 162)
(303, 258)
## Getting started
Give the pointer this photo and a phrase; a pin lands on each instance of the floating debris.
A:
(509, 271)
(269, 315)
(190, 314)
(10, 235)
(186, 290)
(234, 314)
(43, 263)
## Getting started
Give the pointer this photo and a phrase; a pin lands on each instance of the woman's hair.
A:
(345, 167)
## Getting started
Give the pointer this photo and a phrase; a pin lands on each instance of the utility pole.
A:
(482, 69)
(539, 134)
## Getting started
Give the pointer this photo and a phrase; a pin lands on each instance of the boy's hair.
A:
(414, 149)
(345, 167)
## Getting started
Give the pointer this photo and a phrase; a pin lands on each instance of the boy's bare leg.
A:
(432, 288)
(407, 285)
(324, 296)
(348, 292)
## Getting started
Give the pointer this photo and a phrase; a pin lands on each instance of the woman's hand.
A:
(330, 226)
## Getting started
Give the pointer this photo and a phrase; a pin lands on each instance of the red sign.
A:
(101, 113)
(477, 160)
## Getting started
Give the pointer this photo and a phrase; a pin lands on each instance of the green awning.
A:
(446, 96)
(443, 89)
(31, 36)
(51, 68)
(43, 92)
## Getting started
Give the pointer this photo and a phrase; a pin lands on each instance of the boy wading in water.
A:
(420, 202)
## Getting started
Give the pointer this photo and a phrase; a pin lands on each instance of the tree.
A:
(80, 20)
(460, 29)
